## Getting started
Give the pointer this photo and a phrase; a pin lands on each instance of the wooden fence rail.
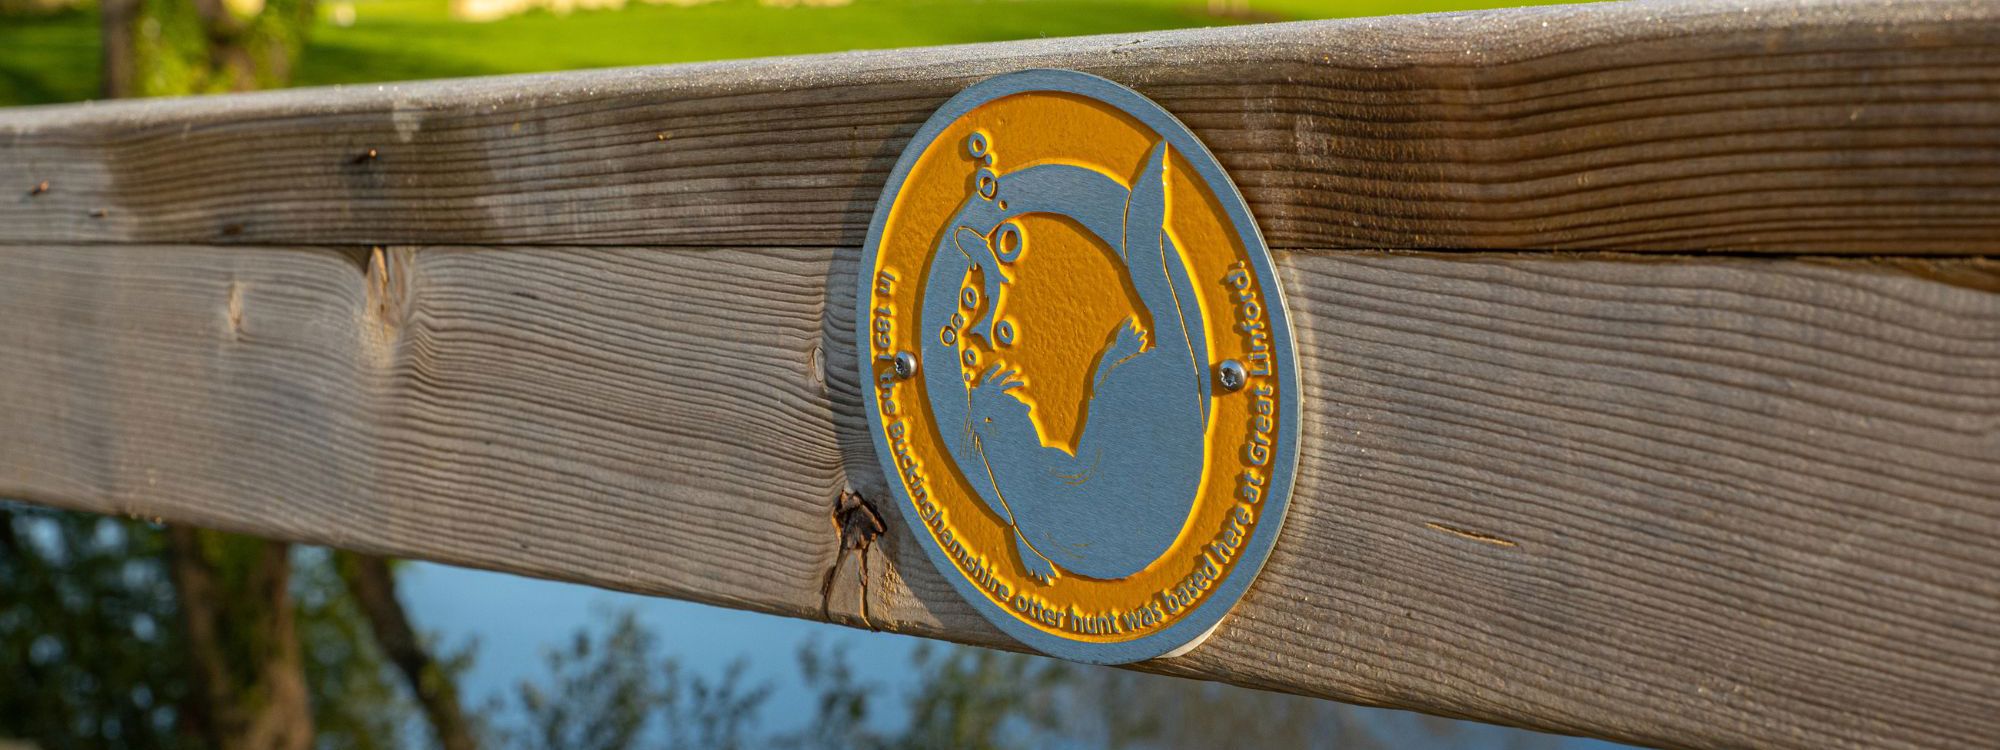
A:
(597, 327)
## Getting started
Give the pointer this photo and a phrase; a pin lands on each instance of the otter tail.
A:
(1039, 567)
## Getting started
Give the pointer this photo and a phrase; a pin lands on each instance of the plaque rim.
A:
(1184, 634)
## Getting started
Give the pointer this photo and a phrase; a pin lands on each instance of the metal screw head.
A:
(905, 365)
(1231, 375)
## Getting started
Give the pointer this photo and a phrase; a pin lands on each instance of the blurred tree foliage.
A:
(96, 648)
(240, 641)
(170, 47)
(26, 7)
(87, 633)
(613, 690)
(357, 704)
(96, 652)
(370, 585)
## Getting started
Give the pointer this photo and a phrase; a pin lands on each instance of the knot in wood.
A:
(857, 521)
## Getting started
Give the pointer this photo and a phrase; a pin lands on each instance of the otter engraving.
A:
(1118, 502)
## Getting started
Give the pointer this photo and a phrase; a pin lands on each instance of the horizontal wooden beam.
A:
(1700, 501)
(1714, 502)
(1862, 127)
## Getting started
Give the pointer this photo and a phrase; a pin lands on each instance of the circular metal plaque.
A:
(1080, 376)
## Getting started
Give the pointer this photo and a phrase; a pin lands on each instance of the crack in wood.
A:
(1497, 541)
(858, 526)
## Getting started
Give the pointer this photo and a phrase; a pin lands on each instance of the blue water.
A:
(514, 620)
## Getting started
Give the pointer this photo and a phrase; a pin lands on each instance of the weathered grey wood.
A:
(1687, 502)
(1741, 125)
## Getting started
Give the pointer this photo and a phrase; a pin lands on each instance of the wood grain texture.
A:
(1715, 502)
(1869, 127)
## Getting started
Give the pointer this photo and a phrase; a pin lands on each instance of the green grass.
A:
(48, 58)
(54, 59)
(401, 44)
